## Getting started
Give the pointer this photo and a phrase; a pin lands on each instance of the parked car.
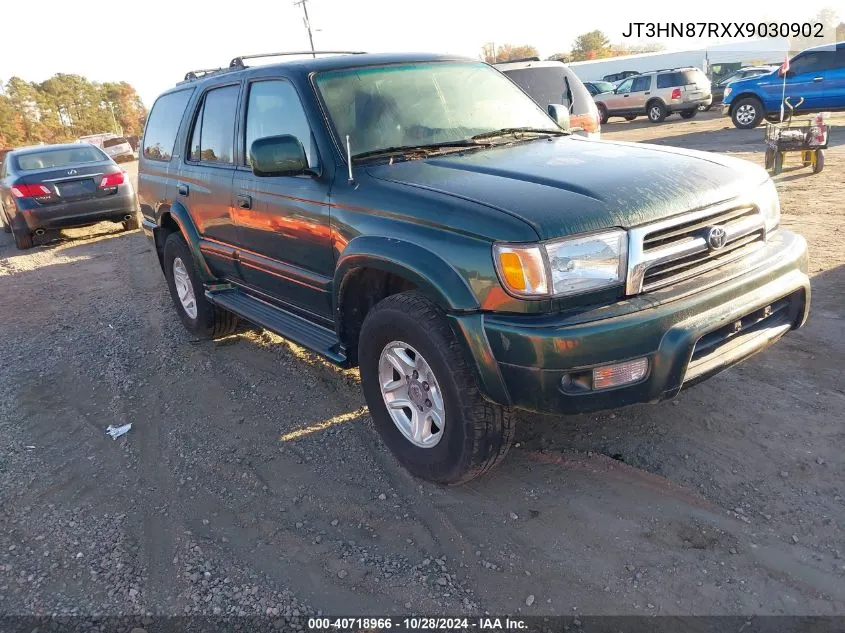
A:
(58, 186)
(657, 95)
(421, 217)
(718, 87)
(614, 77)
(598, 87)
(553, 84)
(816, 75)
(119, 149)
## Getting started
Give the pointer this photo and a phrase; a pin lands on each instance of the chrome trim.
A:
(639, 262)
(77, 177)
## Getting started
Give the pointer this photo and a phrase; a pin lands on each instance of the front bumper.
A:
(686, 332)
(80, 213)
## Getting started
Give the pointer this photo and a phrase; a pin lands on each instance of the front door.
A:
(621, 97)
(284, 221)
(640, 91)
(204, 185)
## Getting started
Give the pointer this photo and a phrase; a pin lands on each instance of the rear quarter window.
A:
(163, 125)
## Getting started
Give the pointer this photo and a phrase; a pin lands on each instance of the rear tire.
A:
(747, 113)
(656, 112)
(688, 114)
(474, 435)
(132, 223)
(23, 238)
(205, 320)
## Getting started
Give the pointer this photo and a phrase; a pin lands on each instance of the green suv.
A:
(421, 217)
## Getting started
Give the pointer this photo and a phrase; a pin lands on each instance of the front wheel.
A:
(747, 113)
(422, 393)
(603, 116)
(818, 163)
(656, 112)
(198, 314)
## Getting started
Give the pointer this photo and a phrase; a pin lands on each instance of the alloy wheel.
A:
(411, 394)
(184, 288)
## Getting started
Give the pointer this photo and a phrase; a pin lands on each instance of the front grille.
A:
(744, 336)
(671, 251)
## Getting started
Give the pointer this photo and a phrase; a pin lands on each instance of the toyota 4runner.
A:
(423, 218)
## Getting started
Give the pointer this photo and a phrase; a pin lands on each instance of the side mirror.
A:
(560, 113)
(278, 156)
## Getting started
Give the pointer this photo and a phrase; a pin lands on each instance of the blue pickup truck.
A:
(817, 75)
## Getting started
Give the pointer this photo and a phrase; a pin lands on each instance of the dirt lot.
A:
(253, 482)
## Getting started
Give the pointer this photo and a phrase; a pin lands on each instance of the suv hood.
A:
(570, 185)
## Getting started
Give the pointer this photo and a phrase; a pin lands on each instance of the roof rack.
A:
(520, 59)
(193, 75)
(238, 62)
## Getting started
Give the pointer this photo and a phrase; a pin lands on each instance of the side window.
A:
(666, 80)
(641, 84)
(811, 62)
(213, 136)
(274, 109)
(195, 135)
(625, 86)
(163, 125)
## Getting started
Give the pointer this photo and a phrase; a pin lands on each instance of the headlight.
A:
(769, 205)
(727, 91)
(564, 267)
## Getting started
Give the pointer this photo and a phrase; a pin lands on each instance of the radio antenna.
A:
(349, 159)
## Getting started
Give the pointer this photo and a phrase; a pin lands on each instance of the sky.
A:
(153, 43)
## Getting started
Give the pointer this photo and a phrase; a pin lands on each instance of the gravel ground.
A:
(252, 482)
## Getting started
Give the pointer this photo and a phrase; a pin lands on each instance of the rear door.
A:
(284, 221)
(204, 182)
(694, 85)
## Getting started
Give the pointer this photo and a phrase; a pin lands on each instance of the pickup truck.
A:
(422, 218)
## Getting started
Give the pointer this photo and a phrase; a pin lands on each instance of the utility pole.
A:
(307, 25)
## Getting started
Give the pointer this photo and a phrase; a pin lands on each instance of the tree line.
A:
(65, 107)
(592, 45)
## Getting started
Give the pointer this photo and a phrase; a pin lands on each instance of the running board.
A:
(316, 338)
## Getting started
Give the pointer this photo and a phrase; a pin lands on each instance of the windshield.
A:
(412, 105)
(59, 157)
(603, 86)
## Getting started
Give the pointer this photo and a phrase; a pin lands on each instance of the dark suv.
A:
(420, 216)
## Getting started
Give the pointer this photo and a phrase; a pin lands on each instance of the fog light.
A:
(620, 373)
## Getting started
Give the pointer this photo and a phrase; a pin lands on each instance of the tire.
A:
(603, 116)
(209, 321)
(819, 164)
(656, 112)
(769, 160)
(688, 114)
(747, 113)
(131, 224)
(778, 164)
(23, 239)
(630, 117)
(475, 434)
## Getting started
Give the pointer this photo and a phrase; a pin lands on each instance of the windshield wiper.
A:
(518, 130)
(411, 149)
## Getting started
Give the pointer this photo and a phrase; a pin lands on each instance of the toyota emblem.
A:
(717, 237)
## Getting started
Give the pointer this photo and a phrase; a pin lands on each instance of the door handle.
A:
(244, 202)
(182, 189)
(649, 92)
(816, 79)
